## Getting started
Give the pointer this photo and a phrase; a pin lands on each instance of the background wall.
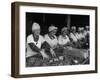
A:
(5, 40)
(58, 20)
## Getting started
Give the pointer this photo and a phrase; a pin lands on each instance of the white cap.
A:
(35, 26)
(87, 26)
(80, 28)
(64, 28)
(73, 27)
(51, 28)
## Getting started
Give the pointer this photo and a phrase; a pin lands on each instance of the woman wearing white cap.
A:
(63, 39)
(82, 36)
(51, 39)
(74, 36)
(86, 30)
(86, 33)
(34, 42)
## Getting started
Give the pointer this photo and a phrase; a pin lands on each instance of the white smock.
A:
(63, 40)
(30, 39)
(52, 42)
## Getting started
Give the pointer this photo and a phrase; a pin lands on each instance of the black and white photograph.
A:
(51, 39)
(57, 39)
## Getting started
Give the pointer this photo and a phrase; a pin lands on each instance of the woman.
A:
(63, 39)
(52, 41)
(51, 38)
(83, 37)
(87, 36)
(81, 33)
(34, 42)
(74, 36)
(86, 31)
(64, 44)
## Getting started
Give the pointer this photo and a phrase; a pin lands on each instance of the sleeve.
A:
(29, 39)
(59, 40)
(42, 39)
(68, 39)
(77, 35)
(73, 37)
(34, 47)
(45, 45)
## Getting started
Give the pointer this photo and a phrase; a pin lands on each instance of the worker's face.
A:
(87, 27)
(53, 32)
(82, 29)
(36, 32)
(79, 30)
(65, 32)
(74, 29)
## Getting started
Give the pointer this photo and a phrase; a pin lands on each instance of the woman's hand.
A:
(52, 52)
(70, 48)
(44, 55)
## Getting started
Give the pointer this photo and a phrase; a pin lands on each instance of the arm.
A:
(34, 47)
(41, 51)
(31, 44)
(60, 40)
(45, 45)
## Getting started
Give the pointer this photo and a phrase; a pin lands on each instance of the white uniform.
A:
(63, 40)
(30, 39)
(86, 33)
(80, 36)
(51, 42)
(74, 36)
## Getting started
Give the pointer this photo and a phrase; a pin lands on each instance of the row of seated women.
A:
(49, 45)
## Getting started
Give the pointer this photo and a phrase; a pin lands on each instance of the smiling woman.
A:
(50, 39)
